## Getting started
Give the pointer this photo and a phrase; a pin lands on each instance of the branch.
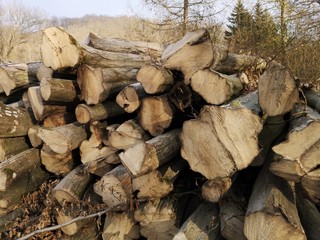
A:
(98, 214)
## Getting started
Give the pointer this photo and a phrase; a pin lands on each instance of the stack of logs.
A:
(169, 137)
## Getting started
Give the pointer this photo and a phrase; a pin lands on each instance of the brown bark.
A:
(190, 54)
(145, 157)
(58, 119)
(12, 146)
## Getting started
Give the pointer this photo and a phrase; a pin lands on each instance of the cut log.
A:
(300, 153)
(158, 183)
(235, 63)
(277, 90)
(71, 188)
(155, 114)
(34, 139)
(202, 224)
(237, 144)
(14, 121)
(214, 87)
(59, 164)
(13, 76)
(155, 79)
(115, 187)
(102, 166)
(143, 158)
(59, 119)
(44, 72)
(190, 54)
(39, 108)
(20, 175)
(272, 213)
(120, 226)
(60, 50)
(100, 111)
(313, 99)
(130, 97)
(126, 135)
(63, 139)
(12, 146)
(99, 84)
(58, 90)
(213, 190)
(152, 49)
(220, 55)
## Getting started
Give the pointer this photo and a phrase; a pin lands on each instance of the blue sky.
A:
(79, 8)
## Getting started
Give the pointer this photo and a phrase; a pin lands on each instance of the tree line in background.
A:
(284, 30)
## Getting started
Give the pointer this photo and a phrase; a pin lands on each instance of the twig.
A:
(98, 214)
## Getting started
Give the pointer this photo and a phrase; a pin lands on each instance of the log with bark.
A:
(12, 146)
(313, 98)
(237, 144)
(129, 98)
(98, 84)
(145, 157)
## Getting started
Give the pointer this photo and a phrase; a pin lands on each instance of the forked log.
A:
(272, 213)
(100, 111)
(202, 224)
(155, 79)
(190, 54)
(65, 138)
(155, 114)
(71, 188)
(130, 97)
(98, 84)
(214, 87)
(145, 157)
(14, 121)
(277, 89)
(12, 146)
(120, 226)
(237, 144)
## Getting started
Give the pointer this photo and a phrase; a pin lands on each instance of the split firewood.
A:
(40, 109)
(202, 224)
(58, 90)
(57, 163)
(155, 114)
(13, 76)
(99, 84)
(190, 54)
(158, 183)
(126, 135)
(310, 183)
(63, 139)
(12, 146)
(102, 166)
(213, 190)
(20, 175)
(115, 187)
(226, 138)
(155, 79)
(120, 226)
(313, 98)
(59, 50)
(272, 213)
(152, 49)
(129, 98)
(214, 87)
(100, 111)
(71, 188)
(145, 157)
(278, 92)
(299, 154)
(59, 119)
(14, 121)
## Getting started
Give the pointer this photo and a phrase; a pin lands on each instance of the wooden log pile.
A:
(169, 138)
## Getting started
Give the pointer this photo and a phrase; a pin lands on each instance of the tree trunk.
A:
(190, 54)
(234, 138)
(130, 97)
(155, 79)
(277, 90)
(214, 87)
(100, 111)
(12, 146)
(155, 114)
(63, 139)
(98, 84)
(14, 121)
(143, 158)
